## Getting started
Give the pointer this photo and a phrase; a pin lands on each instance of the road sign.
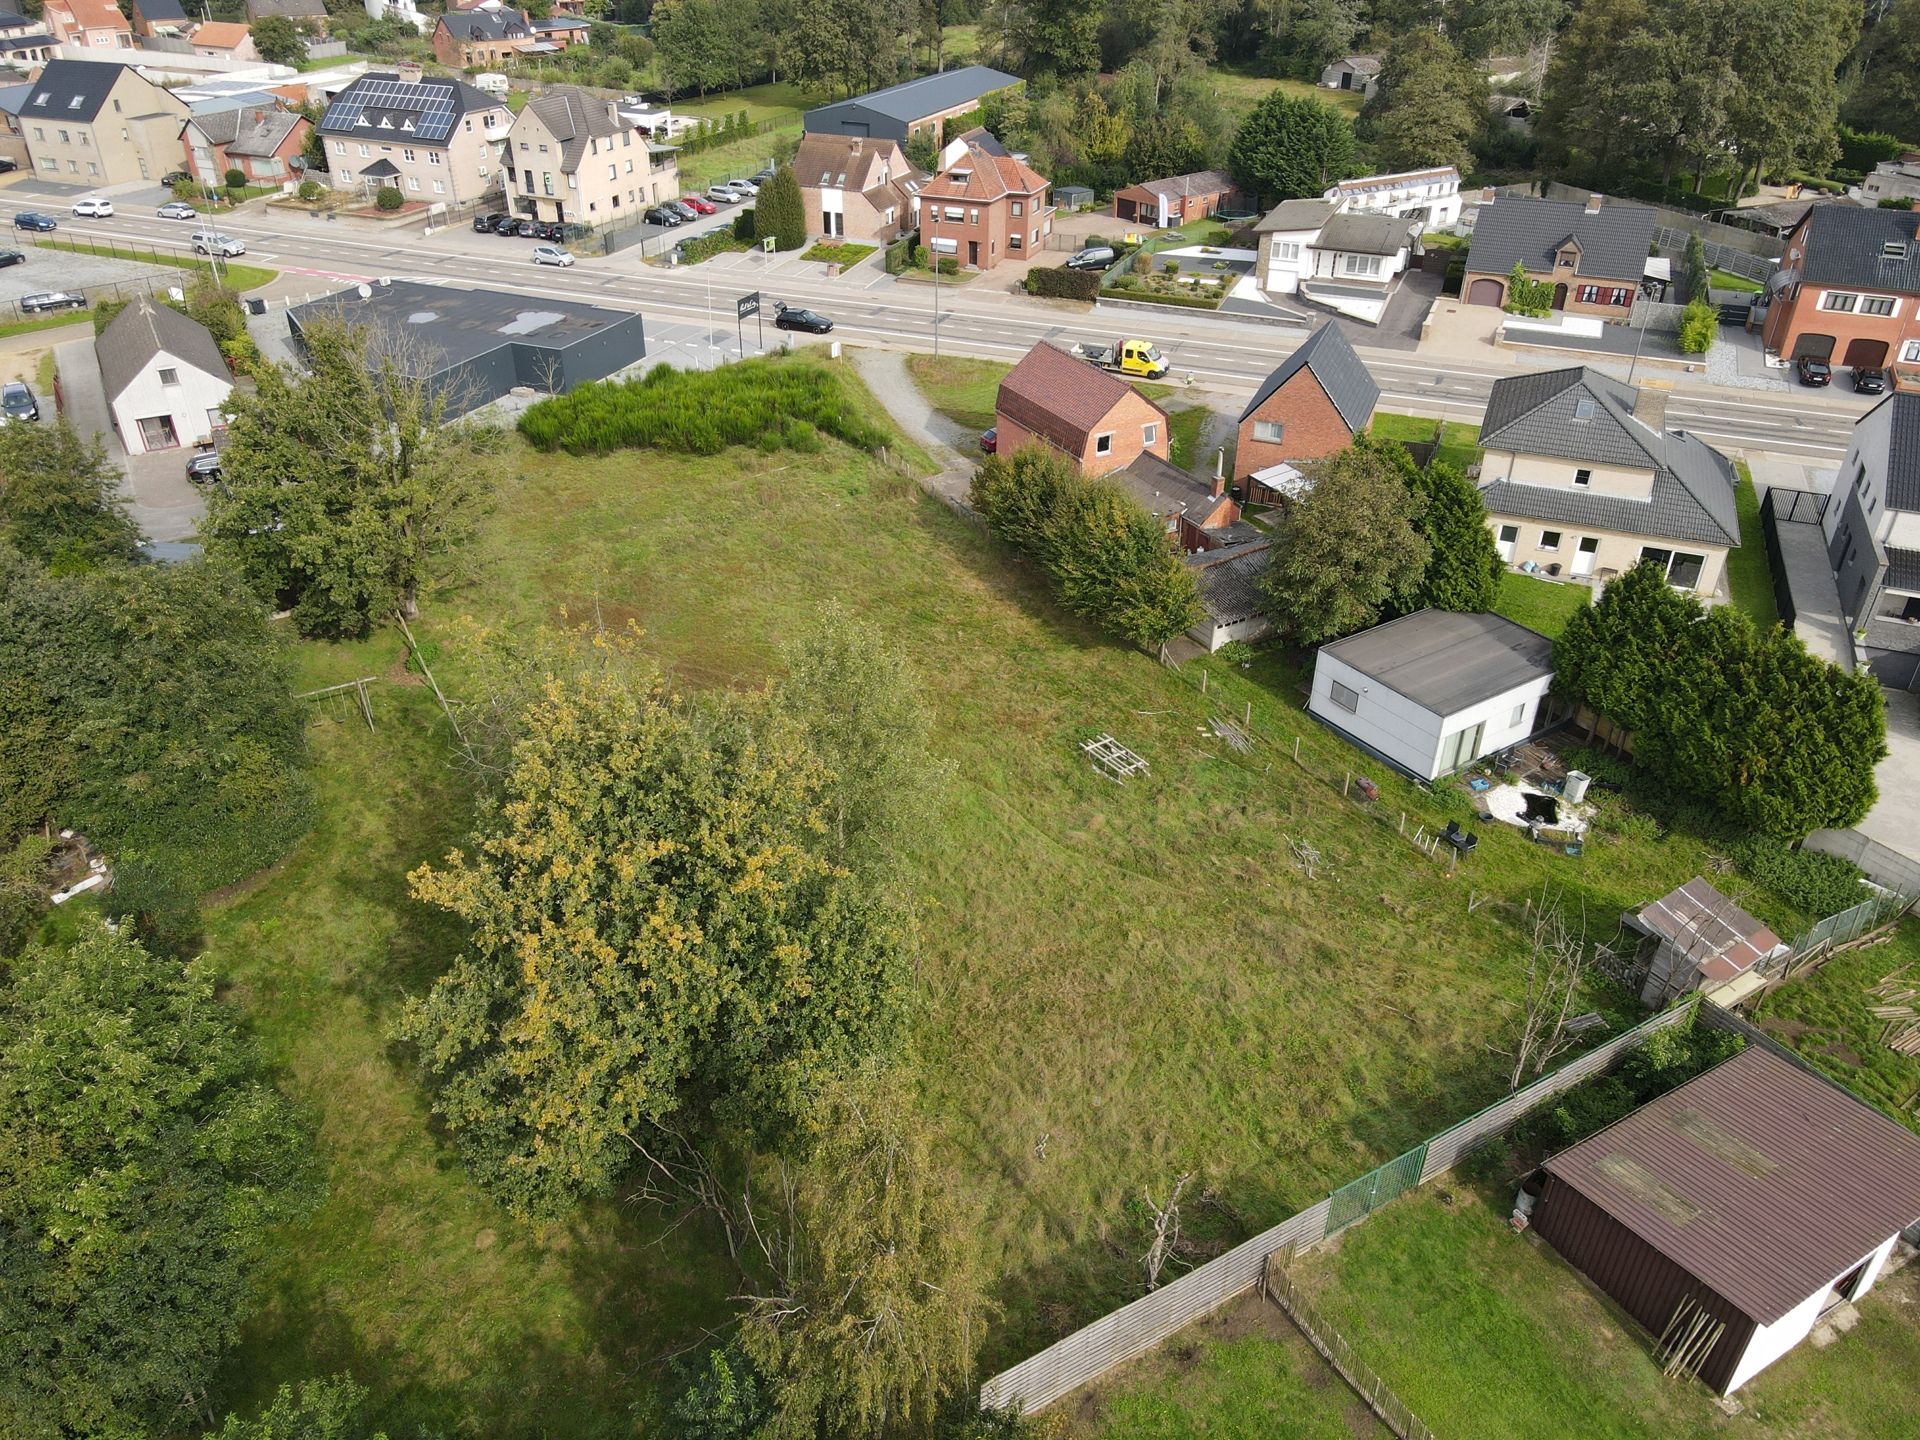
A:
(766, 244)
(747, 305)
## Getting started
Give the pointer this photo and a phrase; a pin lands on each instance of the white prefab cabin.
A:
(1434, 691)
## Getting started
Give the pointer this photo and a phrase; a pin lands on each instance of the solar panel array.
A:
(390, 107)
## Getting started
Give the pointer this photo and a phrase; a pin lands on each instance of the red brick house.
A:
(1108, 428)
(1174, 201)
(259, 142)
(1848, 291)
(1593, 255)
(1312, 406)
(465, 38)
(983, 208)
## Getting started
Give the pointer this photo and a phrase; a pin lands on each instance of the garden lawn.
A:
(1749, 572)
(1543, 605)
(1240, 91)
(738, 159)
(782, 101)
(1727, 280)
(1489, 1334)
(843, 255)
(964, 390)
(45, 322)
(1459, 441)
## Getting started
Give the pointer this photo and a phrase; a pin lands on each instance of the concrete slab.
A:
(1816, 599)
(1775, 472)
(1895, 820)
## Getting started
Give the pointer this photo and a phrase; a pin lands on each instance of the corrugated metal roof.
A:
(1229, 580)
(1445, 661)
(1781, 1180)
(929, 95)
(1330, 357)
(1720, 937)
(1613, 240)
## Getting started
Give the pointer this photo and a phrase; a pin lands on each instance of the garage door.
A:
(1814, 347)
(1485, 292)
(1866, 354)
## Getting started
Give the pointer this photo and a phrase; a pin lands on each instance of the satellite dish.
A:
(176, 294)
(365, 292)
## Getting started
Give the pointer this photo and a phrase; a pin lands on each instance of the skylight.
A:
(1583, 409)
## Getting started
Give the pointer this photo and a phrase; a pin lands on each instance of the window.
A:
(413, 182)
(1877, 305)
(1019, 208)
(1683, 570)
(92, 169)
(1519, 716)
(1910, 352)
(408, 156)
(363, 152)
(1286, 249)
(523, 147)
(1621, 296)
(973, 216)
(1838, 300)
(169, 377)
(613, 171)
(1360, 264)
(66, 137)
(339, 147)
(39, 132)
(439, 187)
(954, 212)
(1549, 539)
(1150, 432)
(629, 167)
(543, 149)
(433, 157)
(116, 107)
(546, 181)
(1583, 477)
(1589, 294)
(1346, 697)
(1103, 444)
(1271, 432)
(1583, 408)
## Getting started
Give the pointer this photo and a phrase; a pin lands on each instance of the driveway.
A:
(160, 499)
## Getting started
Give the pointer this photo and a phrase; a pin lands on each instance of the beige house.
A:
(856, 188)
(1582, 481)
(97, 123)
(572, 158)
(435, 139)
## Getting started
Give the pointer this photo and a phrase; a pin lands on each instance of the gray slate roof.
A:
(164, 10)
(1844, 247)
(1445, 661)
(1228, 580)
(1613, 240)
(1535, 415)
(574, 117)
(142, 331)
(1360, 234)
(1903, 569)
(241, 134)
(930, 94)
(1161, 487)
(1330, 357)
(486, 24)
(1296, 215)
(1903, 450)
(65, 81)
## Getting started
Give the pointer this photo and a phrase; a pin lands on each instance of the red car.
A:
(990, 441)
(700, 203)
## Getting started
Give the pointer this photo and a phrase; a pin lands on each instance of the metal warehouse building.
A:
(1756, 1195)
(902, 110)
(477, 345)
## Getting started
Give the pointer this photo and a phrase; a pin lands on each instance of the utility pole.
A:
(936, 300)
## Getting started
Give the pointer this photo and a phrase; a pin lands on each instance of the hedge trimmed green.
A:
(1064, 284)
(769, 404)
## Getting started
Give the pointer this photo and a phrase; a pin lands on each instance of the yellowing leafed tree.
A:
(658, 936)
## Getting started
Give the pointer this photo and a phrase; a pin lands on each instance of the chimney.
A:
(1486, 194)
(1219, 474)
(259, 117)
(1594, 203)
(1650, 406)
(408, 72)
(613, 112)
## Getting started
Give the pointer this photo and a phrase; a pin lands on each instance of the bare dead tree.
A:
(1556, 964)
(1166, 1228)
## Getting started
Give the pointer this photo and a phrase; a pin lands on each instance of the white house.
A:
(165, 379)
(1347, 259)
(1433, 691)
(1430, 196)
(407, 12)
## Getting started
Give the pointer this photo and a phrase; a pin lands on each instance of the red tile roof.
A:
(1060, 398)
(980, 177)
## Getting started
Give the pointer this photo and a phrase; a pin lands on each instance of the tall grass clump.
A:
(768, 403)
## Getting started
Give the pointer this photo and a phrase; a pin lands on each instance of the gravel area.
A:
(1736, 360)
(66, 270)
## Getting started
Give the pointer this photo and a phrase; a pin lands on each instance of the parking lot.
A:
(44, 270)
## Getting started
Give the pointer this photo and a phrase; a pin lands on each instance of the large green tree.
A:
(780, 212)
(1887, 97)
(655, 937)
(278, 40)
(1288, 148)
(347, 484)
(1463, 569)
(59, 498)
(143, 1165)
(1060, 37)
(1347, 551)
(1430, 105)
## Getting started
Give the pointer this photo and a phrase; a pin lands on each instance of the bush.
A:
(744, 226)
(1861, 150)
(389, 198)
(1699, 327)
(236, 179)
(1666, 1058)
(1064, 284)
(1527, 297)
(311, 190)
(781, 212)
(1811, 881)
(185, 189)
(766, 403)
(899, 255)
(705, 247)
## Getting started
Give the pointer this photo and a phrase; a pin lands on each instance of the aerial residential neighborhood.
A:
(744, 721)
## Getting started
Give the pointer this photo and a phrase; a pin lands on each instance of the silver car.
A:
(721, 195)
(745, 189)
(212, 242)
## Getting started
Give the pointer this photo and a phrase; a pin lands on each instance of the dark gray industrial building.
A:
(477, 345)
(914, 105)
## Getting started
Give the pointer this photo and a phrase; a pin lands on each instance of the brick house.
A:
(261, 143)
(435, 139)
(1848, 291)
(1594, 255)
(1580, 475)
(309, 15)
(464, 38)
(1312, 406)
(89, 24)
(223, 40)
(563, 32)
(1175, 201)
(1106, 428)
(856, 189)
(159, 17)
(575, 157)
(984, 208)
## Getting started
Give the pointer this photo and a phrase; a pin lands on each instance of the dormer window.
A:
(76, 102)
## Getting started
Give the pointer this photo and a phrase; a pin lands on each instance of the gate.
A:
(1359, 1198)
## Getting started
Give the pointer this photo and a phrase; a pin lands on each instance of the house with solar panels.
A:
(434, 138)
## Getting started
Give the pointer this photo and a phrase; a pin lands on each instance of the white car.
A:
(721, 195)
(551, 255)
(212, 242)
(177, 210)
(93, 207)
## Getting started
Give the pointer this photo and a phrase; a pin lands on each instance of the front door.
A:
(1509, 537)
(973, 254)
(1560, 296)
(1461, 748)
(1584, 555)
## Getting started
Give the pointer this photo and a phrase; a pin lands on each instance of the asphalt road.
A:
(1222, 355)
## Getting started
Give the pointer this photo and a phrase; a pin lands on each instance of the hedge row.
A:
(1064, 284)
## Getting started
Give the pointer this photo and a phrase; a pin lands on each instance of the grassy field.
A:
(1489, 1334)
(1240, 91)
(1278, 1035)
(239, 277)
(1541, 604)
(783, 103)
(45, 322)
(1459, 441)
(1749, 573)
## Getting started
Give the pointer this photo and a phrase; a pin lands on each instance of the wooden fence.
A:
(1277, 1285)
(1133, 1330)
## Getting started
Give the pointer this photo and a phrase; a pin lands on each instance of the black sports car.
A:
(787, 317)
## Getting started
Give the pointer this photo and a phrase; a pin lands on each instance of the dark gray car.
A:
(17, 401)
(1094, 257)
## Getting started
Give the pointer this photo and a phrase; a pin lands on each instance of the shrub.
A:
(1064, 284)
(1665, 1059)
(311, 190)
(1813, 882)
(389, 198)
(1699, 327)
(781, 212)
(236, 179)
(705, 247)
(185, 189)
(745, 226)
(1170, 267)
(1527, 297)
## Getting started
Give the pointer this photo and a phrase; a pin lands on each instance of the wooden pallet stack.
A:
(1899, 1020)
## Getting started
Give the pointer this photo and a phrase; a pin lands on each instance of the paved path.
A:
(885, 372)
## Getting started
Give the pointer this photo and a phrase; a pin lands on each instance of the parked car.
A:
(699, 204)
(1869, 380)
(93, 207)
(551, 255)
(660, 215)
(487, 224)
(791, 317)
(174, 177)
(12, 257)
(1812, 371)
(679, 207)
(990, 441)
(213, 242)
(203, 466)
(7, 165)
(53, 300)
(509, 225)
(745, 189)
(17, 401)
(763, 174)
(177, 210)
(721, 195)
(34, 220)
(1094, 257)
(548, 230)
